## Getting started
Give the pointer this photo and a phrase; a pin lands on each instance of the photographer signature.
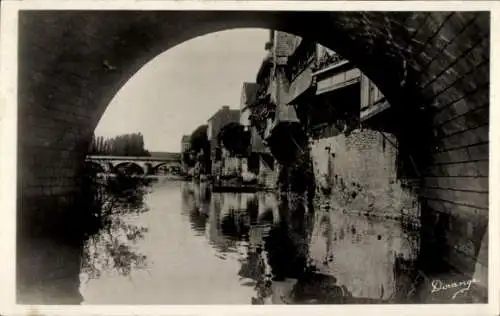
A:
(462, 286)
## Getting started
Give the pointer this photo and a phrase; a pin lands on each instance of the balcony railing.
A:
(327, 60)
(301, 59)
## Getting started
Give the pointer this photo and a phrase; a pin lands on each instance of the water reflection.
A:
(111, 231)
(196, 203)
(179, 243)
(292, 255)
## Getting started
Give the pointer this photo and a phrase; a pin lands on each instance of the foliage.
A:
(234, 138)
(200, 148)
(260, 113)
(327, 59)
(287, 142)
(188, 159)
(199, 139)
(109, 237)
(121, 145)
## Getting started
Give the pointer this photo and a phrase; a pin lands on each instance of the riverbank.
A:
(135, 176)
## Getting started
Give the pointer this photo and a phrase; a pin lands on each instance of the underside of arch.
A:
(433, 67)
(130, 168)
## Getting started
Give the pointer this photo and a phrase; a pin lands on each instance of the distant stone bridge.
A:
(130, 164)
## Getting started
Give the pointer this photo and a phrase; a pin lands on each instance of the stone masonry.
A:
(361, 171)
(71, 65)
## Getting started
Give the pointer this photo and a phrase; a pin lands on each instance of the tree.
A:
(199, 139)
(234, 138)
(121, 145)
(188, 159)
(200, 146)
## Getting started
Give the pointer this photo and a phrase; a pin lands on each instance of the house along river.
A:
(184, 244)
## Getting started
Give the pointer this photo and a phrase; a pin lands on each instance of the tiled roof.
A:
(286, 44)
(225, 110)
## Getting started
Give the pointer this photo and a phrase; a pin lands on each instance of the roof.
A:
(286, 44)
(224, 109)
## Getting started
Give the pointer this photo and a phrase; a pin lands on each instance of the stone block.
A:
(469, 35)
(432, 26)
(465, 41)
(460, 261)
(477, 217)
(465, 138)
(454, 53)
(468, 103)
(457, 183)
(465, 169)
(471, 120)
(459, 21)
(461, 72)
(479, 152)
(415, 21)
(456, 155)
(475, 152)
(450, 96)
(436, 46)
(477, 199)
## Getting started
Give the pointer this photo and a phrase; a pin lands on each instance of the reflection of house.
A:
(259, 161)
(215, 124)
(185, 148)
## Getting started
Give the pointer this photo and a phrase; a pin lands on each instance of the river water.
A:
(188, 245)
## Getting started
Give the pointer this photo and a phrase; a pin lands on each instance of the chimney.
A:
(225, 107)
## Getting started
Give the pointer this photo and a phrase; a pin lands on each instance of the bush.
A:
(108, 202)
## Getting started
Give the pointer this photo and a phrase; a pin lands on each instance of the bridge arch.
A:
(148, 168)
(95, 167)
(130, 168)
(433, 67)
(402, 42)
(109, 167)
(167, 165)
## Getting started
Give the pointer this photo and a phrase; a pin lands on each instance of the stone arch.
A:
(96, 166)
(155, 168)
(419, 77)
(130, 168)
(109, 167)
(148, 167)
(433, 67)
(385, 38)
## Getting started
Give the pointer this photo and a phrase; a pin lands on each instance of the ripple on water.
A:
(262, 251)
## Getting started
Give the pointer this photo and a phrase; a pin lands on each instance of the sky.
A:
(184, 86)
